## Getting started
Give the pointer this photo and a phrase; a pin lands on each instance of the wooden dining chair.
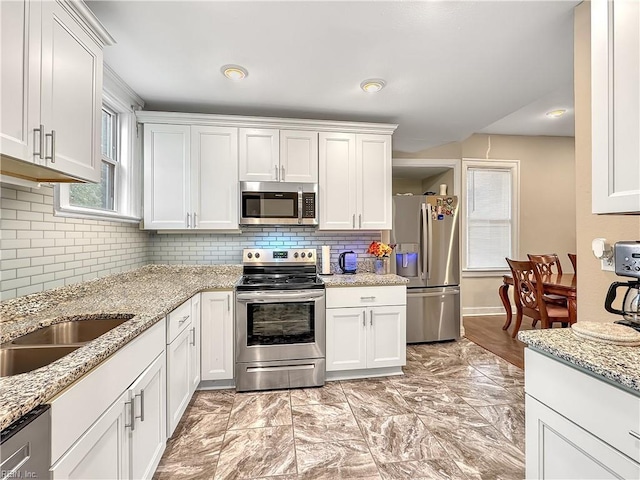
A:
(548, 264)
(573, 258)
(530, 298)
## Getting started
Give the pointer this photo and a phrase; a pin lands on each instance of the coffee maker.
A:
(627, 264)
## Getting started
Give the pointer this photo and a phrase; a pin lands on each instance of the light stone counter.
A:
(618, 364)
(148, 293)
(363, 280)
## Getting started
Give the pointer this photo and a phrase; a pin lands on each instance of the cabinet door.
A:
(346, 339)
(167, 153)
(71, 94)
(103, 451)
(214, 177)
(194, 353)
(557, 448)
(259, 155)
(178, 379)
(386, 338)
(20, 83)
(148, 438)
(298, 156)
(337, 181)
(615, 76)
(373, 170)
(217, 336)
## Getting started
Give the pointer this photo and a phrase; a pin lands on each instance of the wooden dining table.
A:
(555, 284)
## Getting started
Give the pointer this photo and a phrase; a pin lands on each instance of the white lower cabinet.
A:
(125, 439)
(194, 351)
(181, 349)
(366, 337)
(577, 425)
(217, 335)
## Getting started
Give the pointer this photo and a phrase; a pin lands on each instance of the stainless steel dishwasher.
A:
(25, 446)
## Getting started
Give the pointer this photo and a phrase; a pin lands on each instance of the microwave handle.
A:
(299, 205)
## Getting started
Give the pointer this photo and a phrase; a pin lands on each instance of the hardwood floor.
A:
(487, 332)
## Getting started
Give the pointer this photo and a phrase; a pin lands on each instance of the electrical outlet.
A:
(607, 264)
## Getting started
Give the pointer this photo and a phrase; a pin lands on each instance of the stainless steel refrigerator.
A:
(426, 234)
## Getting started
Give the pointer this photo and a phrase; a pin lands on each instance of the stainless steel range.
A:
(280, 320)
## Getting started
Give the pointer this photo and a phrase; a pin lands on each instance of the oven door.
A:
(280, 325)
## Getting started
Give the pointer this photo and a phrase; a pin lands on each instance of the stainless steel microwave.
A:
(278, 203)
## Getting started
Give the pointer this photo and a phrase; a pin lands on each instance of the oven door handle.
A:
(270, 297)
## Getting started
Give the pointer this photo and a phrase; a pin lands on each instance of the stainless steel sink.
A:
(50, 343)
(70, 333)
(20, 360)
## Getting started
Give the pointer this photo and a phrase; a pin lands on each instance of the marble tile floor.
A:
(457, 413)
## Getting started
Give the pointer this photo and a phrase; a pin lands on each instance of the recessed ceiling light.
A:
(373, 85)
(234, 72)
(556, 113)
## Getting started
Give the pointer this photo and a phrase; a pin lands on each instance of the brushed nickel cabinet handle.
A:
(360, 220)
(195, 220)
(634, 434)
(193, 341)
(353, 221)
(282, 173)
(131, 425)
(364, 318)
(141, 395)
(228, 303)
(371, 317)
(52, 157)
(277, 173)
(188, 220)
(40, 142)
(184, 319)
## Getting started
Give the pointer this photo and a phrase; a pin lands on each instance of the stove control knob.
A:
(257, 255)
(310, 254)
(303, 254)
(638, 268)
(295, 255)
(249, 255)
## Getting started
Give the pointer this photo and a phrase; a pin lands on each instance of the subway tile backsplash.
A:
(39, 251)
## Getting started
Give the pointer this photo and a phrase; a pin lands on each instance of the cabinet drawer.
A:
(366, 296)
(178, 320)
(606, 411)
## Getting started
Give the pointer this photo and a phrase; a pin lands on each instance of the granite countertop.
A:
(148, 293)
(618, 364)
(363, 280)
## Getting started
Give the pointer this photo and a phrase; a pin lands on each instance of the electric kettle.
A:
(348, 262)
(630, 303)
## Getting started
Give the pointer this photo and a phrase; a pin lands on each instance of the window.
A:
(490, 213)
(101, 195)
(118, 194)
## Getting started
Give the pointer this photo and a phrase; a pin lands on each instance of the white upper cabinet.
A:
(214, 177)
(272, 155)
(298, 156)
(615, 96)
(373, 170)
(167, 160)
(355, 181)
(51, 95)
(190, 177)
(259, 155)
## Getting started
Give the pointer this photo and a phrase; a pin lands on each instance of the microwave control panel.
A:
(308, 205)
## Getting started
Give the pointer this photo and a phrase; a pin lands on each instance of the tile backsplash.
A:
(227, 248)
(39, 251)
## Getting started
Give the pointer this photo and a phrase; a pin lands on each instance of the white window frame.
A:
(120, 99)
(514, 167)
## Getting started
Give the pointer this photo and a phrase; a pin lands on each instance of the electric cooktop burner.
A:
(282, 269)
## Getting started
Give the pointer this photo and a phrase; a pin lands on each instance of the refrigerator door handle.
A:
(429, 240)
(423, 237)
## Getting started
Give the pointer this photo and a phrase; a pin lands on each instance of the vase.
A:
(380, 265)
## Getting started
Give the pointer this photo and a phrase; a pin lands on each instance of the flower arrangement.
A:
(380, 249)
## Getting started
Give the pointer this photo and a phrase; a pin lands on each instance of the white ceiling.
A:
(452, 68)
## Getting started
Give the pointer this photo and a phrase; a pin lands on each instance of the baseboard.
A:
(480, 311)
